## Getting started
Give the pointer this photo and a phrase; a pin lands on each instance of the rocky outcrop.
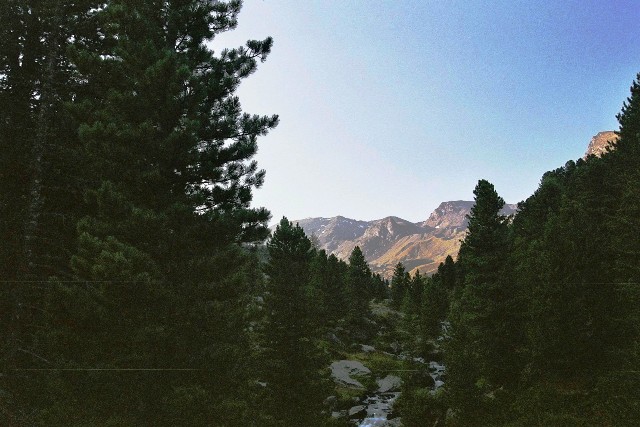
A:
(600, 143)
(449, 215)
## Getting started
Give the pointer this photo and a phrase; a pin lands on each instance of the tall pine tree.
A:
(359, 293)
(160, 176)
(481, 351)
(292, 363)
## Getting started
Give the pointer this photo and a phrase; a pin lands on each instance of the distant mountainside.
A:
(385, 242)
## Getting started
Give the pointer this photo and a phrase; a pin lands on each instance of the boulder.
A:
(342, 370)
(389, 383)
(367, 348)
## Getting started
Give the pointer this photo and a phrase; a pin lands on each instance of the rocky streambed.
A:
(378, 410)
(372, 403)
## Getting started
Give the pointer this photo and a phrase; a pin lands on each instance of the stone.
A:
(367, 348)
(342, 370)
(358, 412)
(389, 383)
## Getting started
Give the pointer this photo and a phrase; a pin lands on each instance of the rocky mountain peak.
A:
(599, 143)
(449, 214)
(331, 232)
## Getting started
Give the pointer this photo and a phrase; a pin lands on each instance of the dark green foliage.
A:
(290, 256)
(435, 304)
(578, 269)
(482, 353)
(623, 163)
(359, 282)
(292, 362)
(486, 241)
(547, 298)
(447, 273)
(414, 294)
(398, 285)
(419, 407)
(380, 287)
(629, 119)
(125, 191)
(437, 292)
(328, 282)
(41, 163)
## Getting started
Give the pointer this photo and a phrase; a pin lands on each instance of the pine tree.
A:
(293, 365)
(328, 282)
(435, 304)
(567, 276)
(414, 294)
(161, 200)
(337, 292)
(41, 178)
(41, 163)
(626, 157)
(398, 285)
(481, 350)
(174, 181)
(447, 272)
(359, 293)
(380, 287)
(629, 119)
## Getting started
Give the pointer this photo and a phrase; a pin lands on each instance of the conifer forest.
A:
(139, 285)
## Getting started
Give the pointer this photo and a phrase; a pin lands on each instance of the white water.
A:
(378, 407)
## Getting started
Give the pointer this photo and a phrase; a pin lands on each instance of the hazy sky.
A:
(391, 107)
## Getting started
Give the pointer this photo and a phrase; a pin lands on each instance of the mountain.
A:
(331, 232)
(449, 215)
(385, 242)
(599, 143)
(379, 237)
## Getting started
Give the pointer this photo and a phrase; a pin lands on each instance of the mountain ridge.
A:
(385, 242)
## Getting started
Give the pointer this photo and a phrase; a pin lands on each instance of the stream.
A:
(379, 406)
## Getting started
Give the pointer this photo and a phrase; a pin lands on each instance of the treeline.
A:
(127, 289)
(542, 312)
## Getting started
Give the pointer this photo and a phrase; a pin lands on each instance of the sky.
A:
(392, 107)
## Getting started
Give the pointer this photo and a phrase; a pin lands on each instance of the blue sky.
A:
(391, 107)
